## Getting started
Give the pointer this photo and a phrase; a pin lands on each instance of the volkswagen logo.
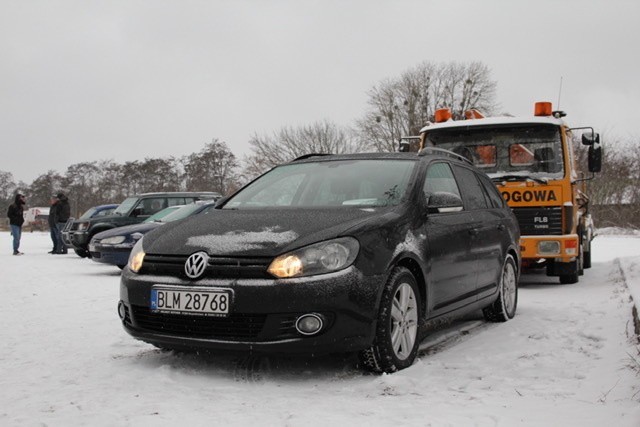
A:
(196, 265)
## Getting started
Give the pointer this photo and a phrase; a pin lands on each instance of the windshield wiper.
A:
(519, 178)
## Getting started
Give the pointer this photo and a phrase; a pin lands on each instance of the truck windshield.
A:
(522, 151)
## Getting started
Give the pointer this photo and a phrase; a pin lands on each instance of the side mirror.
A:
(442, 201)
(590, 138)
(595, 158)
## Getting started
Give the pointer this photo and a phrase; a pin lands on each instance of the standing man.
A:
(16, 219)
(53, 224)
(63, 212)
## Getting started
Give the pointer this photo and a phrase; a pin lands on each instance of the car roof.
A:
(180, 193)
(428, 153)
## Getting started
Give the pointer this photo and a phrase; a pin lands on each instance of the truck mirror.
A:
(590, 138)
(595, 158)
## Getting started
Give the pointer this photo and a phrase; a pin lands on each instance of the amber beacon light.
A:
(543, 109)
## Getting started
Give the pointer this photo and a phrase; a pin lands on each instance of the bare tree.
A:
(402, 106)
(291, 142)
(40, 191)
(7, 191)
(214, 168)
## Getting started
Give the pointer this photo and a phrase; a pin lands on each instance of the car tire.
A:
(395, 345)
(504, 307)
(82, 253)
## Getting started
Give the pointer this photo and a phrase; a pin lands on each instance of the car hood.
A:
(128, 229)
(255, 232)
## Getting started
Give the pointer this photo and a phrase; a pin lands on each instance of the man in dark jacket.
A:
(53, 224)
(62, 212)
(15, 213)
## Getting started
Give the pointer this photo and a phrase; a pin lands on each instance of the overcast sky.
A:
(124, 80)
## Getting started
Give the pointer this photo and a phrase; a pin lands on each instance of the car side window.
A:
(148, 207)
(175, 201)
(472, 191)
(439, 178)
(495, 198)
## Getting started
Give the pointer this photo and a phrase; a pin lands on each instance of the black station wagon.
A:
(332, 253)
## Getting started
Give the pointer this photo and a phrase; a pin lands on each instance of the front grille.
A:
(218, 267)
(233, 327)
(539, 221)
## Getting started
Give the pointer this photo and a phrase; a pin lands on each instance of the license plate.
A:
(195, 301)
(92, 248)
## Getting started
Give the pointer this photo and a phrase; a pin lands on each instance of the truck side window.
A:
(439, 178)
(472, 193)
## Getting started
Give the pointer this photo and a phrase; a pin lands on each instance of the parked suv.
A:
(93, 212)
(329, 254)
(132, 210)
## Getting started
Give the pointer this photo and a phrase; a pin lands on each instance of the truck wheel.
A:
(581, 261)
(395, 345)
(568, 279)
(586, 262)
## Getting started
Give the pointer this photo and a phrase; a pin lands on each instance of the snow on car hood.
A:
(253, 232)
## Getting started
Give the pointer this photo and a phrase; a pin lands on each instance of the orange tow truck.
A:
(532, 162)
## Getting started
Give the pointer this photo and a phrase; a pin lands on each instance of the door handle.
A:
(474, 231)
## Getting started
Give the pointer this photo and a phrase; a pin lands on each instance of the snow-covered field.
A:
(569, 358)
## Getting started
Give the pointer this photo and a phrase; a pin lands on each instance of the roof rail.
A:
(306, 156)
(442, 151)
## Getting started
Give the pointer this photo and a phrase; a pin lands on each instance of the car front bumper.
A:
(263, 313)
(110, 254)
(79, 239)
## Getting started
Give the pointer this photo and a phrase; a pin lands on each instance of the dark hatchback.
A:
(114, 246)
(329, 254)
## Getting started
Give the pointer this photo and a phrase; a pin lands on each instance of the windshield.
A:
(525, 150)
(183, 212)
(160, 216)
(125, 206)
(88, 213)
(343, 183)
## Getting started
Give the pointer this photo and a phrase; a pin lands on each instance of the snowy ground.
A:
(567, 359)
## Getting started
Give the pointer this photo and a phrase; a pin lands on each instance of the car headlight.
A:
(115, 240)
(319, 258)
(83, 226)
(136, 257)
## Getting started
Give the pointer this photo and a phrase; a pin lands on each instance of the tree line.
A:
(395, 107)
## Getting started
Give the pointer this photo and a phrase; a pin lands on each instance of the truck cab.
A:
(532, 162)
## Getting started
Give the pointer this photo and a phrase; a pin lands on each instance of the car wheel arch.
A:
(414, 266)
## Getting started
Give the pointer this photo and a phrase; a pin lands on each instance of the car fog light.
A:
(309, 324)
(121, 310)
(549, 247)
